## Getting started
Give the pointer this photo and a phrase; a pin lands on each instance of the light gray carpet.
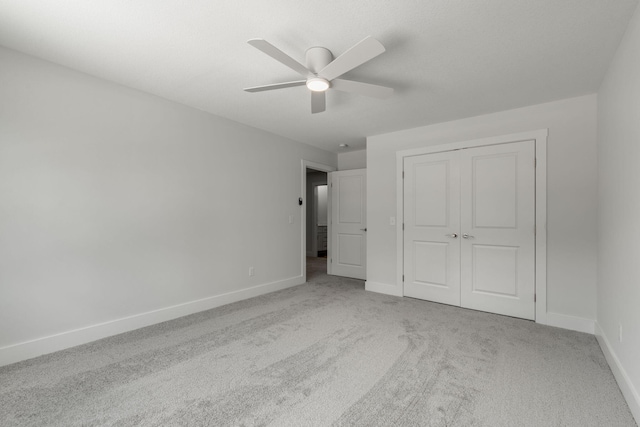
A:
(324, 353)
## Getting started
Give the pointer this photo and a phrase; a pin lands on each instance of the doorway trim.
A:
(306, 164)
(540, 138)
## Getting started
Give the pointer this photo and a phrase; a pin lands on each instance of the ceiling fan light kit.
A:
(317, 84)
(321, 71)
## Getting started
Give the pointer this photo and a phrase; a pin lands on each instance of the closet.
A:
(469, 228)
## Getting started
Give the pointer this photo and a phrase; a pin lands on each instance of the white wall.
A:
(352, 160)
(619, 214)
(321, 193)
(572, 197)
(115, 203)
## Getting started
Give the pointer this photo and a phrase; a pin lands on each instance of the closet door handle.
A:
(454, 235)
(467, 236)
(363, 229)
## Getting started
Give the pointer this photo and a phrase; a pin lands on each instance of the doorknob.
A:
(363, 229)
(454, 235)
(466, 236)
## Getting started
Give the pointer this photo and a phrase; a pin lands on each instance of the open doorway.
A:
(317, 214)
(318, 174)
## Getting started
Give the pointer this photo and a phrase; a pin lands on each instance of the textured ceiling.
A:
(446, 59)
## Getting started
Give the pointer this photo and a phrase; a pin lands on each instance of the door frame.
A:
(540, 138)
(307, 164)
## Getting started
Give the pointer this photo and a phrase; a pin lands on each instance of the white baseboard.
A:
(624, 382)
(37, 347)
(564, 321)
(383, 288)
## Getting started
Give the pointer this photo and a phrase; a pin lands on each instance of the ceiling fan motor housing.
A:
(317, 58)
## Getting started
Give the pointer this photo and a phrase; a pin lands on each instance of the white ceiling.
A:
(446, 59)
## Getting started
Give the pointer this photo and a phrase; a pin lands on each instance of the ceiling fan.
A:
(322, 71)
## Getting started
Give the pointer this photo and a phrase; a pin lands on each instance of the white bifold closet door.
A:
(469, 237)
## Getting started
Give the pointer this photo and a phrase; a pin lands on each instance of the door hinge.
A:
(535, 162)
(402, 174)
(331, 260)
(534, 297)
(403, 225)
(403, 278)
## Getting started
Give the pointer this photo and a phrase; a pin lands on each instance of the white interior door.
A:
(432, 226)
(498, 218)
(348, 223)
(469, 218)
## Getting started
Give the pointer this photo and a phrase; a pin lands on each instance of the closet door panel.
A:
(497, 224)
(432, 222)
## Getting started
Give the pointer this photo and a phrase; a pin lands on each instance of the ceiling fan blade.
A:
(275, 86)
(279, 55)
(318, 102)
(360, 53)
(360, 88)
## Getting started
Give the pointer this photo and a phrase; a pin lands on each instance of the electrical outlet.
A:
(620, 332)
(251, 271)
